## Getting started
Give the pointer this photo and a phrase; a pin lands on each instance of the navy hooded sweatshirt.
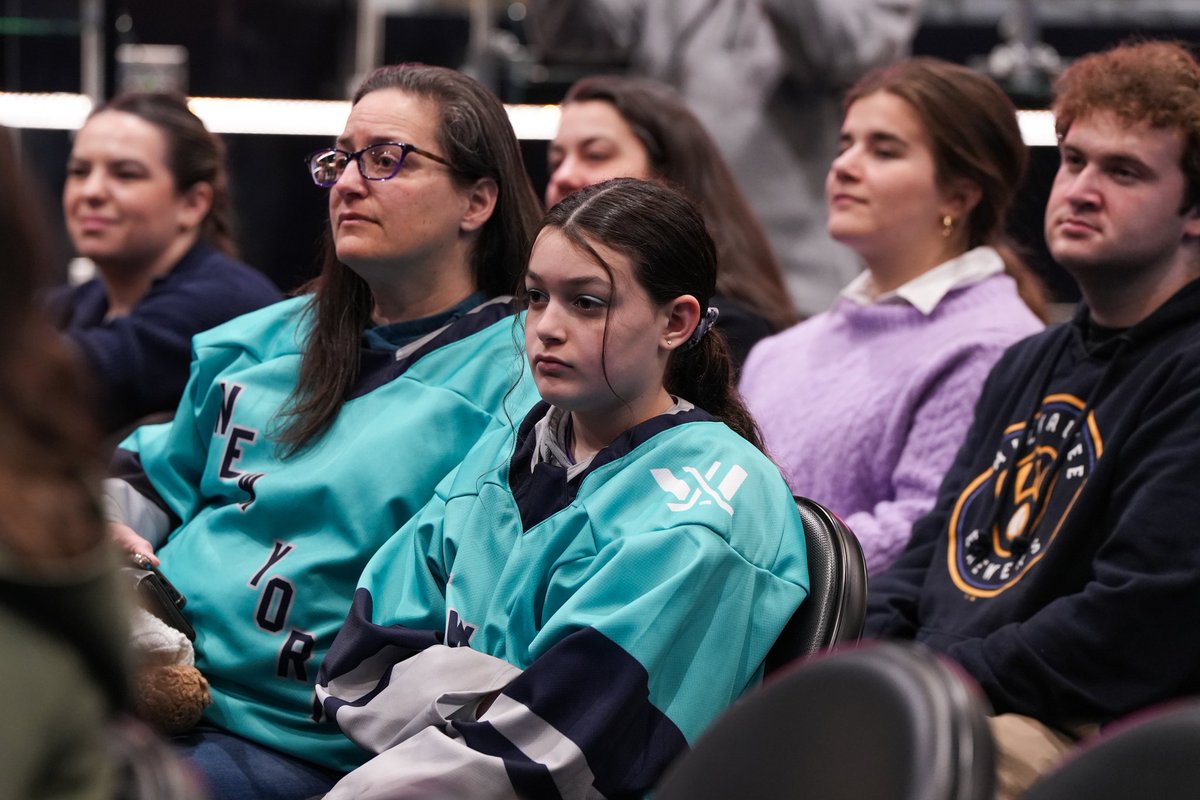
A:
(1061, 564)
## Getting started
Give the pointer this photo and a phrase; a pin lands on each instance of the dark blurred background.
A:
(314, 49)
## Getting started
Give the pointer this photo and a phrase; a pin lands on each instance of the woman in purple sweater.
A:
(864, 406)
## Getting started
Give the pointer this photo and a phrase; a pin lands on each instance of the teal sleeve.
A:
(166, 461)
(685, 604)
(407, 576)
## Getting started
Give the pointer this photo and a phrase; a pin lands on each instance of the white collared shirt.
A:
(926, 290)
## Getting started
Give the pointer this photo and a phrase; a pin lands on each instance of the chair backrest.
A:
(1153, 754)
(836, 606)
(877, 721)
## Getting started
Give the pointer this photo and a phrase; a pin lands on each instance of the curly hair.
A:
(1156, 83)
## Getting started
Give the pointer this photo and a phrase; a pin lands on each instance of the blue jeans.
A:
(234, 767)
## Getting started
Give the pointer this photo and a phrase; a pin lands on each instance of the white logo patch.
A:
(688, 495)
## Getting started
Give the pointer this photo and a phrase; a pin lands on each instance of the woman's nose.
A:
(566, 179)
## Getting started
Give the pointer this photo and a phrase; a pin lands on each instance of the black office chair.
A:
(1153, 755)
(836, 606)
(877, 721)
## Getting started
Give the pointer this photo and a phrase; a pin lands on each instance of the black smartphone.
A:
(158, 595)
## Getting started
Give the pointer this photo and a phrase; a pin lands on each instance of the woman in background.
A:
(147, 200)
(864, 406)
(616, 126)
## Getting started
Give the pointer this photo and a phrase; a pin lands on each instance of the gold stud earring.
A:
(947, 226)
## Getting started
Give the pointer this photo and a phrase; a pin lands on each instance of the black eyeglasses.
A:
(379, 162)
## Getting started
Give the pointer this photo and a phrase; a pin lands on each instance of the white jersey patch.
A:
(689, 493)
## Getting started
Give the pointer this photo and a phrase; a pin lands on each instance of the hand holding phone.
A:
(157, 594)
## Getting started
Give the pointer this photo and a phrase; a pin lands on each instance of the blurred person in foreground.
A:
(64, 660)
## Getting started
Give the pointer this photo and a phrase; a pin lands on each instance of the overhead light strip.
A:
(54, 111)
(1037, 128)
(247, 115)
(63, 111)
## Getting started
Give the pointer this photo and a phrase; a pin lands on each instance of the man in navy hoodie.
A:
(1061, 564)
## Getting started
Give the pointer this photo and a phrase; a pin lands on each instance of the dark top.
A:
(1061, 563)
(140, 361)
(741, 326)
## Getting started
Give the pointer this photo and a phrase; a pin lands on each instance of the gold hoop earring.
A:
(947, 226)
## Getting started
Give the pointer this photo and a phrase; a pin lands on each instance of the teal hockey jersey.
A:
(268, 550)
(529, 635)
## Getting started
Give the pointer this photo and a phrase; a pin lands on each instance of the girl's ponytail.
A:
(704, 375)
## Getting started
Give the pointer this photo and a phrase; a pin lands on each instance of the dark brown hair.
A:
(1156, 83)
(973, 135)
(477, 140)
(50, 462)
(665, 239)
(194, 155)
(681, 152)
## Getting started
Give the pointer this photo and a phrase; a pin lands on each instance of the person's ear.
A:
(1191, 222)
(481, 201)
(960, 198)
(194, 205)
(682, 316)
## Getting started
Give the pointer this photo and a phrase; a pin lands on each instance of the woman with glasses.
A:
(864, 406)
(312, 430)
(614, 126)
(147, 200)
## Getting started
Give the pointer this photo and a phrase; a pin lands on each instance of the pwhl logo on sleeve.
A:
(695, 488)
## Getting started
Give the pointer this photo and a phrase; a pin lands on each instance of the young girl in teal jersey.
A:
(586, 592)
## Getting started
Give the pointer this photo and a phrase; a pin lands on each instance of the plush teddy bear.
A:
(169, 692)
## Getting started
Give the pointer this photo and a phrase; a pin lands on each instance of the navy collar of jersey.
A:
(381, 366)
(544, 490)
(396, 336)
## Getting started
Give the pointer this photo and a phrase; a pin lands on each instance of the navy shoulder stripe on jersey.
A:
(585, 688)
(378, 367)
(360, 639)
(544, 491)
(126, 465)
(530, 779)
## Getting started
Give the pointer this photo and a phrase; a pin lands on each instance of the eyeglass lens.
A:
(377, 163)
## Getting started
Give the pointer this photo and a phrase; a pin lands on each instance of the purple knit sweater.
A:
(864, 407)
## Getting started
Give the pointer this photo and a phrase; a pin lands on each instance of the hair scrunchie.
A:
(702, 327)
